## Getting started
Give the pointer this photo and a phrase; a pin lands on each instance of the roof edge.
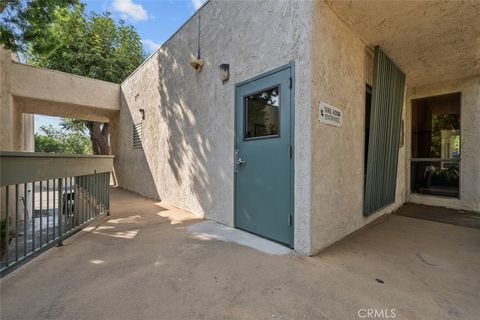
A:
(166, 41)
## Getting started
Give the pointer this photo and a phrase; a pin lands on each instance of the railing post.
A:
(89, 212)
(25, 219)
(60, 212)
(95, 194)
(78, 184)
(7, 221)
(41, 217)
(48, 210)
(33, 216)
(53, 219)
(16, 222)
(108, 193)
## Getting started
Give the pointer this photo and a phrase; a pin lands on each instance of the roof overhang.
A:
(431, 41)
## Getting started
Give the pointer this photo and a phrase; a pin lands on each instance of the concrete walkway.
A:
(141, 263)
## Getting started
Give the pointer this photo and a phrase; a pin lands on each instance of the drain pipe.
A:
(198, 34)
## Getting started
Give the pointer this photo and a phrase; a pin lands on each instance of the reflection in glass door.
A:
(435, 163)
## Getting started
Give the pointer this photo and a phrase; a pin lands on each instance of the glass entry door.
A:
(435, 163)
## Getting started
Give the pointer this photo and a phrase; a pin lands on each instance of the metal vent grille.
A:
(137, 135)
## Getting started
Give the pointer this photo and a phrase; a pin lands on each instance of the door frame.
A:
(408, 153)
(291, 66)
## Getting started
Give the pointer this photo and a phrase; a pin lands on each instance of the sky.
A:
(154, 20)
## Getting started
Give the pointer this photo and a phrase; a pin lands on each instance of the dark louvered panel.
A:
(385, 123)
(137, 135)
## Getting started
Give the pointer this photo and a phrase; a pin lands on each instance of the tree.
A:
(23, 21)
(97, 133)
(48, 144)
(91, 45)
(70, 141)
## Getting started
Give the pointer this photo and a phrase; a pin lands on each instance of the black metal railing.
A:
(39, 212)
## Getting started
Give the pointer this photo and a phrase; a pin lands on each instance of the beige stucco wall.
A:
(470, 142)
(16, 129)
(188, 133)
(338, 78)
(6, 104)
(27, 90)
(187, 155)
(50, 92)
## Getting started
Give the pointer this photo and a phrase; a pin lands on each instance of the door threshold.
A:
(210, 230)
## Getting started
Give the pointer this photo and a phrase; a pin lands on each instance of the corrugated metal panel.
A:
(385, 121)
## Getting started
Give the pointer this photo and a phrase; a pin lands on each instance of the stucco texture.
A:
(432, 41)
(49, 92)
(338, 78)
(188, 131)
(26, 90)
(16, 129)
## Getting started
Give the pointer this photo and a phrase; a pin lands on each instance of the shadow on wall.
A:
(189, 128)
(131, 165)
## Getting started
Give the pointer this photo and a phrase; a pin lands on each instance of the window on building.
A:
(435, 163)
(262, 114)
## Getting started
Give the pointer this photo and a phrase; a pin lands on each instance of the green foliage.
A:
(23, 21)
(59, 35)
(444, 122)
(3, 228)
(73, 125)
(70, 141)
(49, 144)
(3, 235)
(90, 45)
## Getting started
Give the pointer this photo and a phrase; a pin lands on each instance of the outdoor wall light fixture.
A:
(197, 62)
(224, 72)
(142, 111)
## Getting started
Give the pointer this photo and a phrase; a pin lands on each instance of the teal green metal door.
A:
(263, 155)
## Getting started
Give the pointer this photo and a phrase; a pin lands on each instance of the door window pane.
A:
(262, 114)
(436, 127)
(436, 135)
(438, 178)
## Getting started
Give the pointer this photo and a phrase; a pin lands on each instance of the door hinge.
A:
(290, 82)
(291, 151)
(290, 220)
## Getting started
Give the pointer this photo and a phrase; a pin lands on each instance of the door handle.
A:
(241, 162)
(238, 162)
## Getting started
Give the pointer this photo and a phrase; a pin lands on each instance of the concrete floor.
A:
(141, 263)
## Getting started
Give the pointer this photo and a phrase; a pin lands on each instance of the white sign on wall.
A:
(330, 115)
